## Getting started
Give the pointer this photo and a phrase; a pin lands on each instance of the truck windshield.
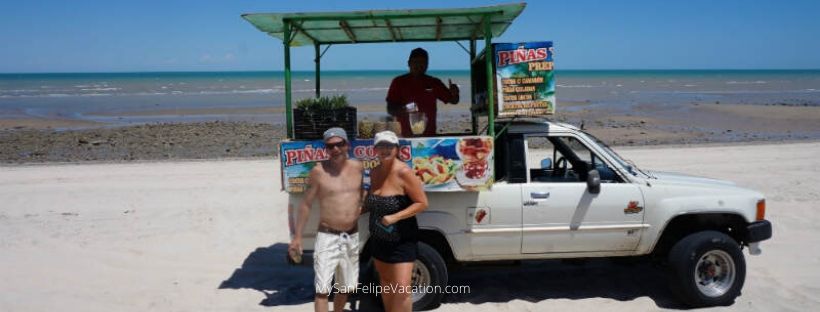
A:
(625, 163)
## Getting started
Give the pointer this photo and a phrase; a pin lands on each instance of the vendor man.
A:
(421, 89)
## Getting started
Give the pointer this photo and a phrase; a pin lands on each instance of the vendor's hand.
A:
(454, 91)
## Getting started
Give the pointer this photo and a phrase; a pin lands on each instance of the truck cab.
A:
(557, 192)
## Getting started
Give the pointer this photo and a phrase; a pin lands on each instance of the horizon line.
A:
(403, 69)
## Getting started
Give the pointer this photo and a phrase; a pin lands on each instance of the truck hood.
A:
(677, 178)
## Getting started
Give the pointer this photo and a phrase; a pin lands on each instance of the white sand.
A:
(209, 236)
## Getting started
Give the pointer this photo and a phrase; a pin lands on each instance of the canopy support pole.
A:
(318, 61)
(473, 118)
(288, 106)
(488, 58)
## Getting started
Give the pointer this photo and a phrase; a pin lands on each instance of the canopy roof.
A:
(387, 25)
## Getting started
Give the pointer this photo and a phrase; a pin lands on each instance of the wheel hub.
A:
(715, 273)
(421, 279)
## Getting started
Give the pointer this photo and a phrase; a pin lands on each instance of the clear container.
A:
(418, 122)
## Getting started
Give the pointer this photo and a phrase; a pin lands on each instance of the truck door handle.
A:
(540, 195)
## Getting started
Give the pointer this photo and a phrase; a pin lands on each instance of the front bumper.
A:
(758, 231)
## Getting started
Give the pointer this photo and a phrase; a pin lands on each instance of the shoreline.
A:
(187, 142)
(218, 133)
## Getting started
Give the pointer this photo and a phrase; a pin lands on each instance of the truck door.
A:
(559, 214)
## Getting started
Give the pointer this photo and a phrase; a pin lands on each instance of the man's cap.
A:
(386, 137)
(419, 52)
(335, 132)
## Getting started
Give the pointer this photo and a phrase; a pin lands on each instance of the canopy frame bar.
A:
(325, 50)
(479, 25)
(392, 30)
(438, 28)
(348, 31)
(300, 29)
(465, 49)
(390, 41)
(391, 16)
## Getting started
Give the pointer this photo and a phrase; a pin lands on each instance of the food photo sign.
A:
(524, 74)
(443, 164)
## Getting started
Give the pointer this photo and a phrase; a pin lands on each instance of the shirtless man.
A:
(337, 184)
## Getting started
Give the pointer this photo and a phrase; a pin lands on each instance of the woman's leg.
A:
(385, 279)
(395, 279)
(403, 276)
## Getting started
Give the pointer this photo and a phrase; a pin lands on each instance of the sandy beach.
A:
(210, 236)
(141, 148)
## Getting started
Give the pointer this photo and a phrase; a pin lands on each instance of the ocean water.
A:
(98, 96)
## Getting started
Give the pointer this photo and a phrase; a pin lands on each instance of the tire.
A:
(707, 269)
(430, 270)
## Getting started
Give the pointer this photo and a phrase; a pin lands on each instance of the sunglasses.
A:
(331, 146)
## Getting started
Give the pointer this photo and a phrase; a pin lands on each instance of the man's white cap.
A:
(386, 137)
(335, 132)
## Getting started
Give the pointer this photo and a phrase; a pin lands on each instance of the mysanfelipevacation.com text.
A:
(376, 289)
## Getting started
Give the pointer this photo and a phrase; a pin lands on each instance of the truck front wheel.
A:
(707, 269)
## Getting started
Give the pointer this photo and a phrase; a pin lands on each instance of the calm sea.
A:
(96, 96)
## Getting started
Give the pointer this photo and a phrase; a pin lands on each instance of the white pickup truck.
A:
(561, 193)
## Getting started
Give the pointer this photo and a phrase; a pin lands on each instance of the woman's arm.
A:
(414, 189)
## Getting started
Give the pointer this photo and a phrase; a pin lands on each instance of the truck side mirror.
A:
(594, 182)
(546, 163)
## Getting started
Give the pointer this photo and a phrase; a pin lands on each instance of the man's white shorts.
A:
(337, 254)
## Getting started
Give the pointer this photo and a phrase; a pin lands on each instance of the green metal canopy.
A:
(386, 25)
(329, 28)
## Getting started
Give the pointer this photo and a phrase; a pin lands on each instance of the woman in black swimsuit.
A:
(396, 196)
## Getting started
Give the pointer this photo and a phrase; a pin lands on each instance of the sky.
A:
(181, 35)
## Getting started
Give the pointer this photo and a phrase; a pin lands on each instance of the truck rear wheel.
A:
(429, 277)
(707, 269)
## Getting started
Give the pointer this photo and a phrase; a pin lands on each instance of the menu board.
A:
(443, 164)
(525, 79)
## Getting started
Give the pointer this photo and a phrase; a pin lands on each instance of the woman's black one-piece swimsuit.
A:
(397, 242)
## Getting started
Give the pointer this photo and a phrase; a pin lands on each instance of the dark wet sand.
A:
(47, 140)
